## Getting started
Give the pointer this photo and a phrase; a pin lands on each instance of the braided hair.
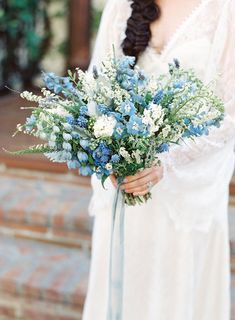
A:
(138, 31)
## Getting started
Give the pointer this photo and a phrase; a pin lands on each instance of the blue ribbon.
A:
(116, 259)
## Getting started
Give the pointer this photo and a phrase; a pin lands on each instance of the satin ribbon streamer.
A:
(116, 260)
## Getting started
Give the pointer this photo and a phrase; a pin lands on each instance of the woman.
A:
(176, 245)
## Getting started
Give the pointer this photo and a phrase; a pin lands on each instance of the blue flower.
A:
(135, 126)
(84, 143)
(82, 121)
(75, 135)
(101, 154)
(127, 108)
(119, 130)
(158, 96)
(196, 131)
(30, 122)
(82, 156)
(70, 120)
(187, 121)
(115, 158)
(83, 110)
(73, 164)
(57, 88)
(163, 148)
(102, 108)
(126, 62)
(57, 84)
(85, 171)
(178, 84)
(116, 115)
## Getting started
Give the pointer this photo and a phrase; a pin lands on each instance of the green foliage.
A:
(41, 148)
(25, 37)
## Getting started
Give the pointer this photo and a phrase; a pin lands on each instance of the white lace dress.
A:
(176, 245)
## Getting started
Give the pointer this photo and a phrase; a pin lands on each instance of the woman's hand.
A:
(138, 184)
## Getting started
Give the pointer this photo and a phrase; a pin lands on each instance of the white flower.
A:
(19, 127)
(67, 136)
(125, 154)
(153, 117)
(67, 146)
(109, 166)
(91, 106)
(42, 135)
(67, 126)
(166, 130)
(136, 155)
(59, 156)
(104, 126)
(30, 96)
(156, 111)
(52, 137)
(56, 129)
(52, 144)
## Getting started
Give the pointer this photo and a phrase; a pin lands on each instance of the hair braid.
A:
(138, 31)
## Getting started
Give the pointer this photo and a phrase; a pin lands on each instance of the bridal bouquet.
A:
(117, 119)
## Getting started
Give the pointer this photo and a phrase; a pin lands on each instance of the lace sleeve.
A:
(221, 60)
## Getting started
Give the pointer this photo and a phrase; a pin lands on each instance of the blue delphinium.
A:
(178, 84)
(101, 154)
(127, 108)
(115, 158)
(84, 144)
(30, 123)
(70, 120)
(116, 115)
(82, 156)
(138, 98)
(102, 108)
(158, 96)
(119, 130)
(83, 110)
(163, 148)
(57, 84)
(135, 126)
(85, 171)
(73, 164)
(82, 121)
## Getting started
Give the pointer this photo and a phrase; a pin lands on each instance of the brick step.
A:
(47, 207)
(41, 281)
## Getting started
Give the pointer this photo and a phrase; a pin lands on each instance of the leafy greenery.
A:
(25, 37)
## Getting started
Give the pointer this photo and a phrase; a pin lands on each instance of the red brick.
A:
(7, 281)
(17, 212)
(79, 294)
(53, 293)
(7, 311)
(31, 287)
(64, 208)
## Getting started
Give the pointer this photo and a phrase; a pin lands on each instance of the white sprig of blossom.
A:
(104, 126)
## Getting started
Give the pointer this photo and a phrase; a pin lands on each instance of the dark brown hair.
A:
(138, 31)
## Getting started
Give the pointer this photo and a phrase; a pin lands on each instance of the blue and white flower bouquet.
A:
(116, 120)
